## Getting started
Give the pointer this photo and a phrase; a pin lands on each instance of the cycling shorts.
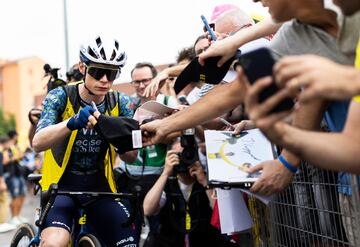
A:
(104, 219)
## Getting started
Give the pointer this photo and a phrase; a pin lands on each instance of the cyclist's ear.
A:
(82, 68)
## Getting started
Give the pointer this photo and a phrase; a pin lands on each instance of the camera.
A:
(189, 155)
(54, 80)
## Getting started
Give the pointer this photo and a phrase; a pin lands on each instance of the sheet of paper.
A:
(263, 199)
(152, 109)
(234, 215)
(229, 157)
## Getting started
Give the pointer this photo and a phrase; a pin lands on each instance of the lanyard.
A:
(187, 216)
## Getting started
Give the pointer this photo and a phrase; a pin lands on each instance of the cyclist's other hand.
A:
(81, 119)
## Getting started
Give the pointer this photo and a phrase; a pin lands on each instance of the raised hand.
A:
(83, 119)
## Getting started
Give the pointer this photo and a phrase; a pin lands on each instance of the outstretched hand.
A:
(274, 178)
(156, 83)
(152, 132)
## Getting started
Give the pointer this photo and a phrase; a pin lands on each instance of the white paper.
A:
(233, 212)
(228, 157)
(136, 138)
(152, 109)
(262, 198)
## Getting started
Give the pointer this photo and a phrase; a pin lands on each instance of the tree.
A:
(7, 123)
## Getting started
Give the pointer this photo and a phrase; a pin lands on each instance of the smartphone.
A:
(208, 28)
(257, 64)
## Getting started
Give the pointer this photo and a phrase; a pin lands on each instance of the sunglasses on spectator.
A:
(98, 72)
(137, 83)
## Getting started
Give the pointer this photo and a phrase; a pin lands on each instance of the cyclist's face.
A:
(99, 87)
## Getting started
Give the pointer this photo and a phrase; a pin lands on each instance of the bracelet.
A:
(288, 165)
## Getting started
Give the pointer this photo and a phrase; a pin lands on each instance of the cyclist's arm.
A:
(47, 137)
(49, 131)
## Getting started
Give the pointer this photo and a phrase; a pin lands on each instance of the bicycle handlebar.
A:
(50, 195)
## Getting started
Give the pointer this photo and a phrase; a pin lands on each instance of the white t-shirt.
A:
(185, 191)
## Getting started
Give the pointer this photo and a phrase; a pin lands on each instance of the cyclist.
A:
(77, 158)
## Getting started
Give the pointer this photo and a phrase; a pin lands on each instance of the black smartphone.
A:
(257, 64)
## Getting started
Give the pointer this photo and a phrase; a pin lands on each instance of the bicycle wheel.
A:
(89, 240)
(23, 235)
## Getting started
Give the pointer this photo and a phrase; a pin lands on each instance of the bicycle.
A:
(28, 235)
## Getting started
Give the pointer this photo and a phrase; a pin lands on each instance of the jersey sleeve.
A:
(54, 105)
(127, 105)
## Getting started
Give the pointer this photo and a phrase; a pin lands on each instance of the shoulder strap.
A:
(72, 94)
(112, 99)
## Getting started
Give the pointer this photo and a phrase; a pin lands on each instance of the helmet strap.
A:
(91, 93)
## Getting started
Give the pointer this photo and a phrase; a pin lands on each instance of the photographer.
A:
(184, 205)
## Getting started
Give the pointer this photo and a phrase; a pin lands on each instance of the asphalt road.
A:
(28, 212)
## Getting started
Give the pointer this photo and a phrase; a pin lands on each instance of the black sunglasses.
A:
(98, 73)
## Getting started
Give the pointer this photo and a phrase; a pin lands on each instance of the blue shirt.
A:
(335, 117)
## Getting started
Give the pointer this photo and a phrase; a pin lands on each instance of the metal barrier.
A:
(308, 213)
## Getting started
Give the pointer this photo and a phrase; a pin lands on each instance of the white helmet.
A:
(103, 51)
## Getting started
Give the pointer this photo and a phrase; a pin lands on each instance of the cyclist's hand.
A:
(81, 119)
(172, 159)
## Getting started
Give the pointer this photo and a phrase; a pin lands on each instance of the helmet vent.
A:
(117, 45)
(121, 57)
(98, 41)
(102, 53)
(113, 55)
(92, 53)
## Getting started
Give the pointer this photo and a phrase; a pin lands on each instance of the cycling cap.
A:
(103, 51)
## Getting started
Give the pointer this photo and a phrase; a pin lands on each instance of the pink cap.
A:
(219, 9)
